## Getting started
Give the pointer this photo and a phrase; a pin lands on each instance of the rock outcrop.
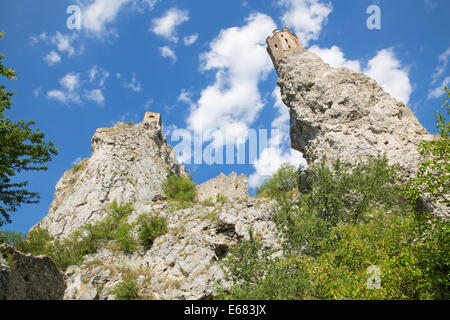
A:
(345, 115)
(28, 277)
(129, 163)
(232, 187)
(182, 264)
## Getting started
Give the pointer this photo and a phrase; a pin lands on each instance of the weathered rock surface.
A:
(4, 277)
(129, 163)
(233, 187)
(182, 264)
(344, 115)
(29, 277)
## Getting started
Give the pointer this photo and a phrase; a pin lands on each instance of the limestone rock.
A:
(129, 163)
(346, 115)
(29, 278)
(232, 187)
(182, 264)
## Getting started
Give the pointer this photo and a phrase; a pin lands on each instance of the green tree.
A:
(433, 177)
(22, 148)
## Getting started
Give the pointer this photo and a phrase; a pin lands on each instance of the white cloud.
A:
(335, 58)
(185, 96)
(57, 95)
(72, 86)
(98, 74)
(239, 57)
(98, 14)
(438, 91)
(387, 70)
(35, 39)
(133, 84)
(77, 161)
(281, 122)
(142, 5)
(52, 58)
(70, 81)
(442, 66)
(270, 160)
(95, 95)
(430, 5)
(63, 43)
(190, 40)
(166, 25)
(148, 104)
(306, 17)
(166, 52)
(63, 96)
(37, 92)
(278, 151)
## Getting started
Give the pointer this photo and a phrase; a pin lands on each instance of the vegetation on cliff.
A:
(347, 235)
(353, 232)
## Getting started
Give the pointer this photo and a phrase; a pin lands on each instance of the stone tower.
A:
(282, 44)
(153, 117)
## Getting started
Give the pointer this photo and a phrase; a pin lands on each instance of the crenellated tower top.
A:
(282, 44)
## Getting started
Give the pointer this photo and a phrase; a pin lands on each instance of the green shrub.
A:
(413, 265)
(150, 228)
(79, 166)
(208, 203)
(220, 198)
(126, 290)
(345, 193)
(433, 177)
(180, 188)
(119, 211)
(37, 242)
(86, 240)
(124, 239)
(284, 180)
(12, 238)
(115, 227)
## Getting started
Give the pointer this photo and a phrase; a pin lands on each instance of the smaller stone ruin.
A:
(232, 187)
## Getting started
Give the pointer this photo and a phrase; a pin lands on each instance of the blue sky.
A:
(202, 64)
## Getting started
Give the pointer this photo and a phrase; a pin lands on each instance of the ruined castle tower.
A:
(281, 45)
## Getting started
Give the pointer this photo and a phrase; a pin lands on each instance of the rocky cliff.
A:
(25, 277)
(129, 164)
(334, 113)
(345, 115)
(183, 264)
